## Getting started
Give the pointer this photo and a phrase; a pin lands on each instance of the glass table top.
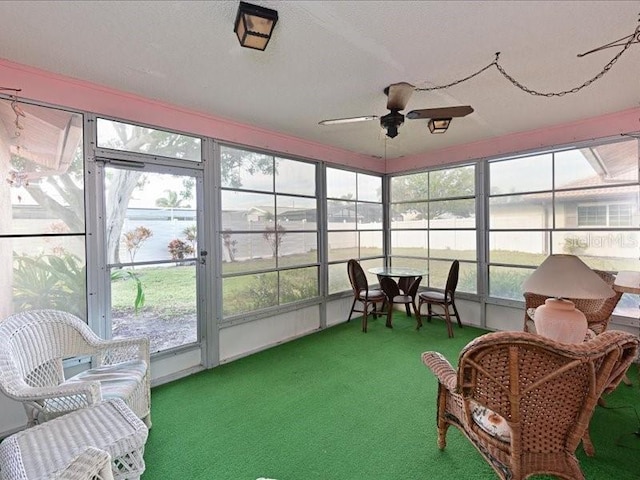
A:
(398, 272)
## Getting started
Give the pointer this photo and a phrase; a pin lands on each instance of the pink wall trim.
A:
(610, 125)
(48, 87)
(55, 89)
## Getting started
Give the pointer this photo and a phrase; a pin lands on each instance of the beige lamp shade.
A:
(566, 276)
(561, 277)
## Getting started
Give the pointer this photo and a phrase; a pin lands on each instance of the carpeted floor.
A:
(343, 405)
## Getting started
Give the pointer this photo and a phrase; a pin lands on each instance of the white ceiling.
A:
(331, 59)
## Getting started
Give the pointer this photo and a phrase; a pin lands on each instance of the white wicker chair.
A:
(33, 345)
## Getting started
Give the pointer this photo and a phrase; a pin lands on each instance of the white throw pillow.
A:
(492, 423)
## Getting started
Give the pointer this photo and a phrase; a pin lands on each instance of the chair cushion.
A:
(492, 423)
(116, 381)
(402, 299)
(432, 295)
(373, 294)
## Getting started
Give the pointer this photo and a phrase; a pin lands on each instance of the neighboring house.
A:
(263, 214)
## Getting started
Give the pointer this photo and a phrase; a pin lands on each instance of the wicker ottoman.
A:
(47, 450)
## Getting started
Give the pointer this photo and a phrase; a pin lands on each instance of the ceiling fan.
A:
(398, 95)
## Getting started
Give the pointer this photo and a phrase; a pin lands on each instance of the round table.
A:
(404, 274)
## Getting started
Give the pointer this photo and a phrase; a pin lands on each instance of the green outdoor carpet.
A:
(343, 405)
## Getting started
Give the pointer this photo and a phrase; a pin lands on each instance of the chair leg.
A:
(429, 312)
(364, 317)
(417, 312)
(448, 320)
(587, 445)
(389, 324)
(352, 307)
(455, 311)
(442, 423)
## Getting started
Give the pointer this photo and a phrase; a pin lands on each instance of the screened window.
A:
(269, 231)
(433, 222)
(581, 201)
(354, 224)
(42, 214)
(137, 139)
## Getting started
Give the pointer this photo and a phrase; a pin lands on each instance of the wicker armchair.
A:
(33, 345)
(598, 312)
(525, 401)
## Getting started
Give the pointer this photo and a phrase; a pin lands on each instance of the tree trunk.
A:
(122, 185)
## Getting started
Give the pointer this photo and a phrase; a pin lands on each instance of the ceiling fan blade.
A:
(444, 112)
(338, 121)
(399, 94)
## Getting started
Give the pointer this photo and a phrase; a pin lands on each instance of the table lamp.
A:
(561, 277)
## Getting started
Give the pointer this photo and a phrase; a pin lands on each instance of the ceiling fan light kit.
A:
(254, 25)
(439, 125)
(391, 121)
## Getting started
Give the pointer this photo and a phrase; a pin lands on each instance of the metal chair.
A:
(396, 297)
(362, 293)
(444, 299)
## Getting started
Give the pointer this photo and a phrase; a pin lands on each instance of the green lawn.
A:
(172, 289)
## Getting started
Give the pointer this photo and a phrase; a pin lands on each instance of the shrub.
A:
(508, 283)
(179, 249)
(50, 281)
(134, 239)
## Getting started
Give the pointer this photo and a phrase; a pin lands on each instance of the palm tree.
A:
(170, 201)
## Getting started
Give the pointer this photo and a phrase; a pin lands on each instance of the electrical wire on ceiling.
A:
(624, 42)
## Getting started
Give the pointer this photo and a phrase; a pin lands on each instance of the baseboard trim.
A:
(176, 376)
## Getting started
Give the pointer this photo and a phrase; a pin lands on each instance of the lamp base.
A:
(559, 320)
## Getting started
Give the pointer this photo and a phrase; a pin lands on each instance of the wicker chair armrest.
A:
(442, 369)
(82, 393)
(90, 390)
(110, 352)
(91, 464)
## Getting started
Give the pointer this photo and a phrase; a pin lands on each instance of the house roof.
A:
(330, 59)
(46, 137)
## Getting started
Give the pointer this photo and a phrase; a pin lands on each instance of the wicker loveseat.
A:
(33, 345)
(525, 401)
